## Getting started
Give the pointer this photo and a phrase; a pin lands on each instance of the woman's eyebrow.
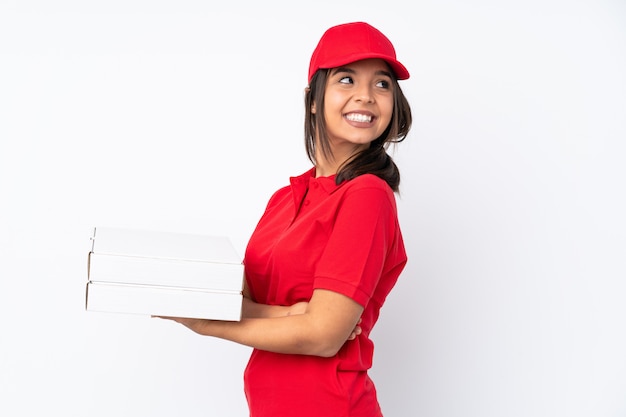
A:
(343, 69)
(351, 71)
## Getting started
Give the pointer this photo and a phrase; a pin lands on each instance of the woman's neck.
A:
(325, 167)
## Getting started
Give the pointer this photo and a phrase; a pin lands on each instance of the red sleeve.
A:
(364, 233)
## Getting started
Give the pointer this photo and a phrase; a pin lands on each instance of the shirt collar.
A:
(301, 182)
(300, 185)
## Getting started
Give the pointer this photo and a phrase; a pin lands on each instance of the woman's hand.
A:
(357, 331)
(196, 325)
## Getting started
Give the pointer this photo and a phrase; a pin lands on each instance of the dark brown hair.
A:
(373, 160)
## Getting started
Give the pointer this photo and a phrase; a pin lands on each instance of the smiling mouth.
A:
(361, 118)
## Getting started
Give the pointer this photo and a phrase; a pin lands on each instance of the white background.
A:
(186, 115)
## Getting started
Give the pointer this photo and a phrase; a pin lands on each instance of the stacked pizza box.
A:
(160, 273)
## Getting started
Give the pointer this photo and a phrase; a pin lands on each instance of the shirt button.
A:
(306, 202)
(315, 185)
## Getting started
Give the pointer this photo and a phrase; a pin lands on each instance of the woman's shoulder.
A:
(279, 194)
(369, 181)
(369, 187)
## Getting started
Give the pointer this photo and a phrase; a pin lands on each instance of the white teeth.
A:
(355, 117)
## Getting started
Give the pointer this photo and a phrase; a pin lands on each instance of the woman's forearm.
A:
(320, 329)
(295, 334)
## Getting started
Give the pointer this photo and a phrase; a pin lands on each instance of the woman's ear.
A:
(307, 91)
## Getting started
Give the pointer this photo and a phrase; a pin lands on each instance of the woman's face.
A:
(358, 104)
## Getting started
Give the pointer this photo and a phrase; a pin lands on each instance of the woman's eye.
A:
(345, 80)
(382, 84)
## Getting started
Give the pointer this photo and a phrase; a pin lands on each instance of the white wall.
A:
(185, 116)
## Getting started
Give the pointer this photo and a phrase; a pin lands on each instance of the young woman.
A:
(328, 248)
